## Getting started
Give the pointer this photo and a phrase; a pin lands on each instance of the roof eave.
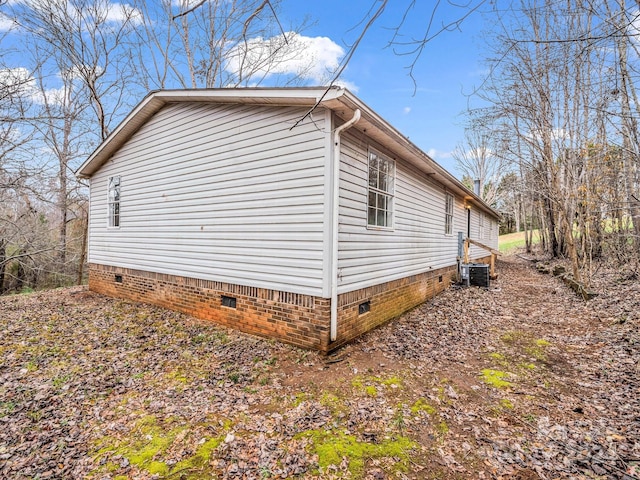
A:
(157, 99)
(407, 149)
(340, 100)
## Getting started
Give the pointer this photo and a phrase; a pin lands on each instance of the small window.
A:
(448, 214)
(114, 201)
(381, 186)
(481, 225)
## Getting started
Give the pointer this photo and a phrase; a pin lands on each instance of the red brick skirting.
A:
(301, 320)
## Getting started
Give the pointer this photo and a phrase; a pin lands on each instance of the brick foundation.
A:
(301, 320)
(297, 319)
(387, 301)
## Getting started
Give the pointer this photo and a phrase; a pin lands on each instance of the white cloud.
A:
(438, 154)
(16, 80)
(79, 72)
(406, 110)
(108, 12)
(6, 23)
(310, 58)
(352, 87)
(122, 12)
(557, 135)
(184, 4)
(483, 72)
(19, 82)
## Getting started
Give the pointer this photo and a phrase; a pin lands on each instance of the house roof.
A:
(342, 102)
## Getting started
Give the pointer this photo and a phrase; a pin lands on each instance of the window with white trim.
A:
(381, 187)
(448, 214)
(113, 190)
(481, 225)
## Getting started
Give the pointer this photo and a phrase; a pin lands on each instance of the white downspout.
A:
(333, 278)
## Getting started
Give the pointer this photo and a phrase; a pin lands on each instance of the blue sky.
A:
(445, 74)
(429, 112)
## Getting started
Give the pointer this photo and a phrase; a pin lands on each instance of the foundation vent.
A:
(228, 301)
(364, 307)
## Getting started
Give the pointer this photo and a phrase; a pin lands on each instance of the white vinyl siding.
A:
(482, 230)
(416, 244)
(219, 192)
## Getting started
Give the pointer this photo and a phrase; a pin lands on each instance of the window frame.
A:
(449, 202)
(114, 194)
(386, 195)
(481, 226)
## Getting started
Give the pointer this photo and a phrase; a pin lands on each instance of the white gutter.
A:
(333, 278)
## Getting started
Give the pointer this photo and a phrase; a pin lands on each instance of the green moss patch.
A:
(332, 446)
(373, 385)
(421, 405)
(526, 343)
(191, 468)
(495, 378)
(442, 427)
(333, 403)
(537, 349)
(389, 382)
(300, 398)
(506, 404)
(147, 444)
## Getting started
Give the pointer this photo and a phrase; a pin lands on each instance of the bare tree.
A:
(478, 159)
(87, 39)
(213, 43)
(562, 85)
(14, 165)
(64, 128)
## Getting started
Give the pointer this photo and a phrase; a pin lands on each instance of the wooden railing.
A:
(494, 254)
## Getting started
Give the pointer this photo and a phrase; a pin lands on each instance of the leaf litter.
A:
(93, 387)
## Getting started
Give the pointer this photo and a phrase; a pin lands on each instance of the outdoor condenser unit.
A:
(475, 274)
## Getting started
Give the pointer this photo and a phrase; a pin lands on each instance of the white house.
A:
(294, 213)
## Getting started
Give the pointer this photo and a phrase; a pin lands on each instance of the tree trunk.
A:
(3, 259)
(83, 249)
(630, 144)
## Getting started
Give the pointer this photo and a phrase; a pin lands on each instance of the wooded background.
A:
(555, 143)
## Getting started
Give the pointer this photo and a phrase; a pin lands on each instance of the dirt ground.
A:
(523, 380)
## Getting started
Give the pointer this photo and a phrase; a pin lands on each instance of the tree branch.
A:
(344, 62)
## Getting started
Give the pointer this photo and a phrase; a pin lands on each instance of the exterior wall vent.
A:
(118, 278)
(364, 307)
(228, 301)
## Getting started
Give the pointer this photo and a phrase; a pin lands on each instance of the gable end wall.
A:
(219, 192)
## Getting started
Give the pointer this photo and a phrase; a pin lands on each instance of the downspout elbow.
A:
(348, 124)
(333, 334)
